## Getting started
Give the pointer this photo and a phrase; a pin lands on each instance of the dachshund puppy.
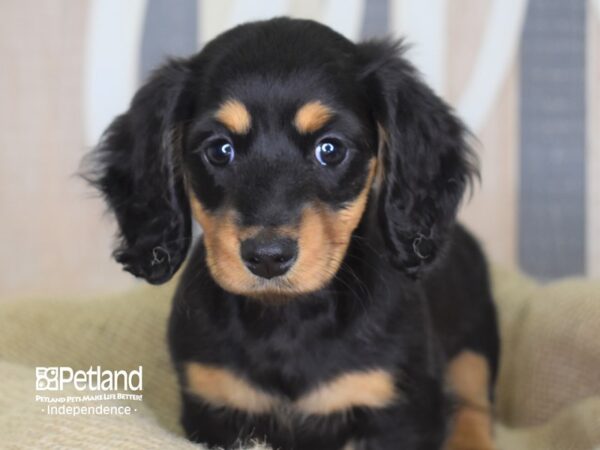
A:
(331, 302)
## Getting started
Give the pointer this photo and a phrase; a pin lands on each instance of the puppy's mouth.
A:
(273, 289)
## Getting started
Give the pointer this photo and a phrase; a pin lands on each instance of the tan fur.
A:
(323, 237)
(468, 376)
(312, 116)
(221, 387)
(222, 239)
(372, 389)
(234, 115)
(472, 431)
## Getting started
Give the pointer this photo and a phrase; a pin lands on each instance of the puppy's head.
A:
(272, 139)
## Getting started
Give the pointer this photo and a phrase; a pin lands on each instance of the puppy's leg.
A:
(213, 427)
(468, 374)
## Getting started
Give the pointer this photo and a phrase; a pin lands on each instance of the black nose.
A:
(269, 258)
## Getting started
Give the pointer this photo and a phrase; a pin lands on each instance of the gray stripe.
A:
(170, 29)
(376, 19)
(552, 166)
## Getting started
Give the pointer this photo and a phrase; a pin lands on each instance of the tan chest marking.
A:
(220, 387)
(372, 389)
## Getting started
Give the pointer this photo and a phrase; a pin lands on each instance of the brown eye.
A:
(330, 152)
(220, 153)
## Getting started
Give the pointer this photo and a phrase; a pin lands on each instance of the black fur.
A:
(137, 171)
(428, 163)
(387, 306)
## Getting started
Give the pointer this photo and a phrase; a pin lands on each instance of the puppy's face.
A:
(269, 138)
(279, 166)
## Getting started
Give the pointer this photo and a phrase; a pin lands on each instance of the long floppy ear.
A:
(426, 161)
(136, 168)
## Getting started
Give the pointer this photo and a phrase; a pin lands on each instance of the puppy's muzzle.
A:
(269, 257)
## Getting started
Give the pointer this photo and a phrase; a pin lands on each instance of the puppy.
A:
(331, 302)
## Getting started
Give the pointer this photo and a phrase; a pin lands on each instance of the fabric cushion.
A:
(548, 394)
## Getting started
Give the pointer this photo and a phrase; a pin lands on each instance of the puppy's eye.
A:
(220, 153)
(330, 152)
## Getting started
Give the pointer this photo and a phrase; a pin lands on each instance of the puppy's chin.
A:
(281, 289)
(274, 291)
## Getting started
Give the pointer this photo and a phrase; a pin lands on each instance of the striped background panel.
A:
(552, 163)
(524, 74)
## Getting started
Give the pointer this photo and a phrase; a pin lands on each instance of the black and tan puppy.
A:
(331, 302)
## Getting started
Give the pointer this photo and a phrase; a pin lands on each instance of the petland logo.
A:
(93, 379)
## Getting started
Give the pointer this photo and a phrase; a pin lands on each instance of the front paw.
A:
(472, 430)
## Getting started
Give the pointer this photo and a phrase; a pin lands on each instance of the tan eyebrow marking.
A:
(235, 116)
(374, 389)
(312, 116)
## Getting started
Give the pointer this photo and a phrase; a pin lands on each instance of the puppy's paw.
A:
(472, 430)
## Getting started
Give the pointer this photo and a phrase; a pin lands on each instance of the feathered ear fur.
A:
(136, 168)
(426, 161)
